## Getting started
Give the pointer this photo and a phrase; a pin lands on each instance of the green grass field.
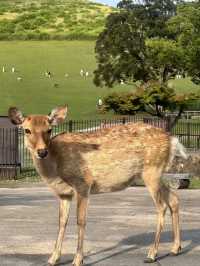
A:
(36, 93)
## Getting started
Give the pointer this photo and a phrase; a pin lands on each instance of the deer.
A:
(76, 165)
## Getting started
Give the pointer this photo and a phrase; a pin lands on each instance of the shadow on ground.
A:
(117, 252)
(146, 239)
(18, 200)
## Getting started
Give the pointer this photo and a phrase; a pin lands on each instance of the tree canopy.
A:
(151, 42)
(154, 40)
(152, 13)
(185, 27)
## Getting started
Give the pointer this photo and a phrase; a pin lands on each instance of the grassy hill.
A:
(51, 19)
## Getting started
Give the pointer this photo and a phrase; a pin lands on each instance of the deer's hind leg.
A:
(63, 219)
(162, 198)
(82, 207)
(173, 203)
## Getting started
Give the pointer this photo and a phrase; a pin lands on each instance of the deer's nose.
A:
(42, 153)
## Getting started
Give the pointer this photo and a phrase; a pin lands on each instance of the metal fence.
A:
(16, 161)
(9, 160)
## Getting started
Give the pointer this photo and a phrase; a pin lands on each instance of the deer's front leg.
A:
(82, 205)
(63, 218)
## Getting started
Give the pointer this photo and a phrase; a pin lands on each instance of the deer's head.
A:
(38, 128)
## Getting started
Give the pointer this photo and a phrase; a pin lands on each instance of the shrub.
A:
(61, 14)
(7, 26)
(122, 103)
(19, 28)
(26, 24)
(39, 21)
(4, 36)
(44, 36)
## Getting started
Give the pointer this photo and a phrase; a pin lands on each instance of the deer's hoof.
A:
(175, 253)
(78, 261)
(77, 264)
(149, 260)
(52, 263)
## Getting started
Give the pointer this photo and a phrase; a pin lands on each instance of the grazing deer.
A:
(79, 164)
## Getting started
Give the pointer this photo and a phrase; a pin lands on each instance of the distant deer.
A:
(79, 164)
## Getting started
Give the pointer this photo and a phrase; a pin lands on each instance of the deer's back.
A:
(111, 158)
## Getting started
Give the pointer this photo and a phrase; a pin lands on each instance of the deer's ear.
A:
(15, 116)
(58, 115)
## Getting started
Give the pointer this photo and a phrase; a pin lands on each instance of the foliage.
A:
(120, 51)
(154, 98)
(134, 45)
(151, 43)
(159, 99)
(153, 14)
(165, 58)
(185, 27)
(76, 17)
(7, 27)
(123, 103)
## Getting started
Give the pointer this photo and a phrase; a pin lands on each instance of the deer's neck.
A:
(45, 167)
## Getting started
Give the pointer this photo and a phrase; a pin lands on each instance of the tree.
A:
(185, 27)
(120, 51)
(126, 48)
(151, 43)
(152, 13)
(194, 62)
(154, 98)
(127, 4)
(166, 58)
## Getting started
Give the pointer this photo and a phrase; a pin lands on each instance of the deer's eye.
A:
(49, 131)
(27, 131)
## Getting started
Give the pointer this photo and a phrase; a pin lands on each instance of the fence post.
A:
(188, 134)
(145, 120)
(17, 162)
(124, 120)
(70, 125)
(168, 124)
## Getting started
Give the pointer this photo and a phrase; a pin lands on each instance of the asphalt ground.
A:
(120, 228)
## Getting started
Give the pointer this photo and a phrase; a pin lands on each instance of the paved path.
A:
(119, 230)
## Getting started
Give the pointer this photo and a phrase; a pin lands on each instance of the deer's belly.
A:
(59, 186)
(115, 175)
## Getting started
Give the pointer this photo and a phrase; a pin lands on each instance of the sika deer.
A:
(78, 164)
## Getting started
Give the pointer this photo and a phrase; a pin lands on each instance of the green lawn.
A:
(36, 93)
(195, 183)
(185, 86)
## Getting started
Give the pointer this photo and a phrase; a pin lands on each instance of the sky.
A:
(107, 2)
(111, 2)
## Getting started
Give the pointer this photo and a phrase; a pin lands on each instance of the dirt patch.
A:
(9, 16)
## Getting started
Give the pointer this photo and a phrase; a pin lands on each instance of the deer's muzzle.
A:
(42, 153)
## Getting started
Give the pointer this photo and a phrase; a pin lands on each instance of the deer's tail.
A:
(176, 149)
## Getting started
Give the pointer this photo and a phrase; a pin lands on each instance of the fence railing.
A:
(16, 161)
